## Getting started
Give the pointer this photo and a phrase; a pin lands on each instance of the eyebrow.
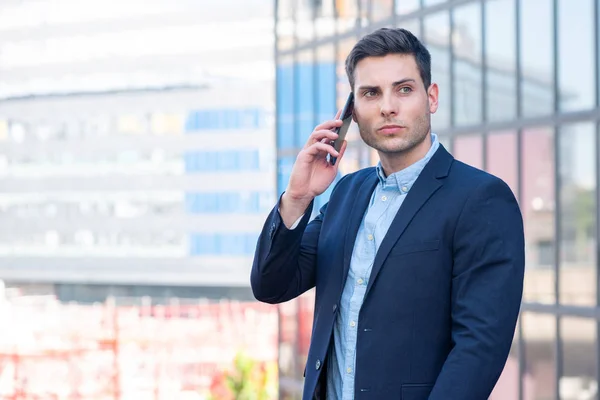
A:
(397, 83)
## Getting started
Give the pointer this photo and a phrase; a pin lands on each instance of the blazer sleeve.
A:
(487, 286)
(284, 264)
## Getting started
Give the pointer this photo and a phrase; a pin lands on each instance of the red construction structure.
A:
(52, 351)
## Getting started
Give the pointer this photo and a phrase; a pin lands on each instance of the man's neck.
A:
(394, 162)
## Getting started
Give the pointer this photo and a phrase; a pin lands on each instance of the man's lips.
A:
(390, 129)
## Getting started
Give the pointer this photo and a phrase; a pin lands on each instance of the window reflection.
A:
(539, 333)
(536, 57)
(285, 24)
(466, 44)
(304, 20)
(381, 9)
(406, 6)
(501, 83)
(356, 154)
(324, 18)
(580, 359)
(347, 13)
(468, 149)
(507, 386)
(502, 157)
(537, 207)
(413, 25)
(577, 214)
(437, 41)
(576, 54)
(304, 97)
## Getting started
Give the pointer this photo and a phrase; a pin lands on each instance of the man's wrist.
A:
(292, 208)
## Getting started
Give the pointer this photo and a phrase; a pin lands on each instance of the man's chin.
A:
(393, 148)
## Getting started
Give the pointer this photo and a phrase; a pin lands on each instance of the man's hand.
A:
(312, 173)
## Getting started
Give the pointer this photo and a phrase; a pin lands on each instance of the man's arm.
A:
(285, 259)
(487, 286)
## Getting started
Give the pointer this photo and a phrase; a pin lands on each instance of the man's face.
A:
(392, 107)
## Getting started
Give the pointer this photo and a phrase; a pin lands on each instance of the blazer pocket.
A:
(417, 247)
(416, 391)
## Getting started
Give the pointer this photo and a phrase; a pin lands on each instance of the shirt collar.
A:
(405, 178)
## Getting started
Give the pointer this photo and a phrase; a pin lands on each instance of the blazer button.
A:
(318, 365)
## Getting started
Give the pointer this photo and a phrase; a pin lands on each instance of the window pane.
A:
(437, 40)
(501, 82)
(326, 78)
(537, 206)
(502, 157)
(576, 54)
(508, 383)
(536, 57)
(304, 21)
(381, 9)
(578, 214)
(466, 44)
(468, 149)
(324, 18)
(446, 141)
(355, 150)
(347, 13)
(406, 6)
(285, 103)
(305, 97)
(539, 334)
(412, 25)
(579, 359)
(285, 24)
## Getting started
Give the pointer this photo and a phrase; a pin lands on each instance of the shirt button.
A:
(349, 370)
(359, 281)
(353, 324)
(383, 198)
(404, 189)
(370, 237)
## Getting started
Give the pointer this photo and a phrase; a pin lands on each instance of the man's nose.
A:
(389, 107)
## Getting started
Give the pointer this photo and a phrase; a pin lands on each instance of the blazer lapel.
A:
(356, 213)
(424, 187)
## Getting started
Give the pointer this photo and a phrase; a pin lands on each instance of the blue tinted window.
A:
(227, 202)
(204, 161)
(223, 244)
(224, 119)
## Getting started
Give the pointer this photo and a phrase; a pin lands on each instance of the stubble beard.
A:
(402, 143)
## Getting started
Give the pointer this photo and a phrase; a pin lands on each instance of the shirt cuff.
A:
(295, 223)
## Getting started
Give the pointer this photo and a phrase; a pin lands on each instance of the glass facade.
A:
(519, 97)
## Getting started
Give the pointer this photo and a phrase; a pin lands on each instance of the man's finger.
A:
(322, 149)
(320, 136)
(334, 123)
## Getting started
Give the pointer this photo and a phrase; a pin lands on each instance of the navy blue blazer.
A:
(442, 301)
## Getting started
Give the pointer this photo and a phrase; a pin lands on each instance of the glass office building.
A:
(519, 97)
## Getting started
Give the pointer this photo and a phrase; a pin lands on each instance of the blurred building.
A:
(519, 97)
(136, 146)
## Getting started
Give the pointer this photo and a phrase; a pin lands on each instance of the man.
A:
(418, 263)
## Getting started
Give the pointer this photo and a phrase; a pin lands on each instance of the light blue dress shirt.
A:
(385, 202)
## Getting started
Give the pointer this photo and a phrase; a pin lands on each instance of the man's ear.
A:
(354, 116)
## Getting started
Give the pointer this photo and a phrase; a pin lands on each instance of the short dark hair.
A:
(386, 41)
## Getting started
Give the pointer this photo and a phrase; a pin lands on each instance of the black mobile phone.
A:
(346, 116)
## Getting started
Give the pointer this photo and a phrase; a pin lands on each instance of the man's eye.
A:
(370, 93)
(405, 90)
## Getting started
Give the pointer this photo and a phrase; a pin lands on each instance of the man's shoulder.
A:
(470, 179)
